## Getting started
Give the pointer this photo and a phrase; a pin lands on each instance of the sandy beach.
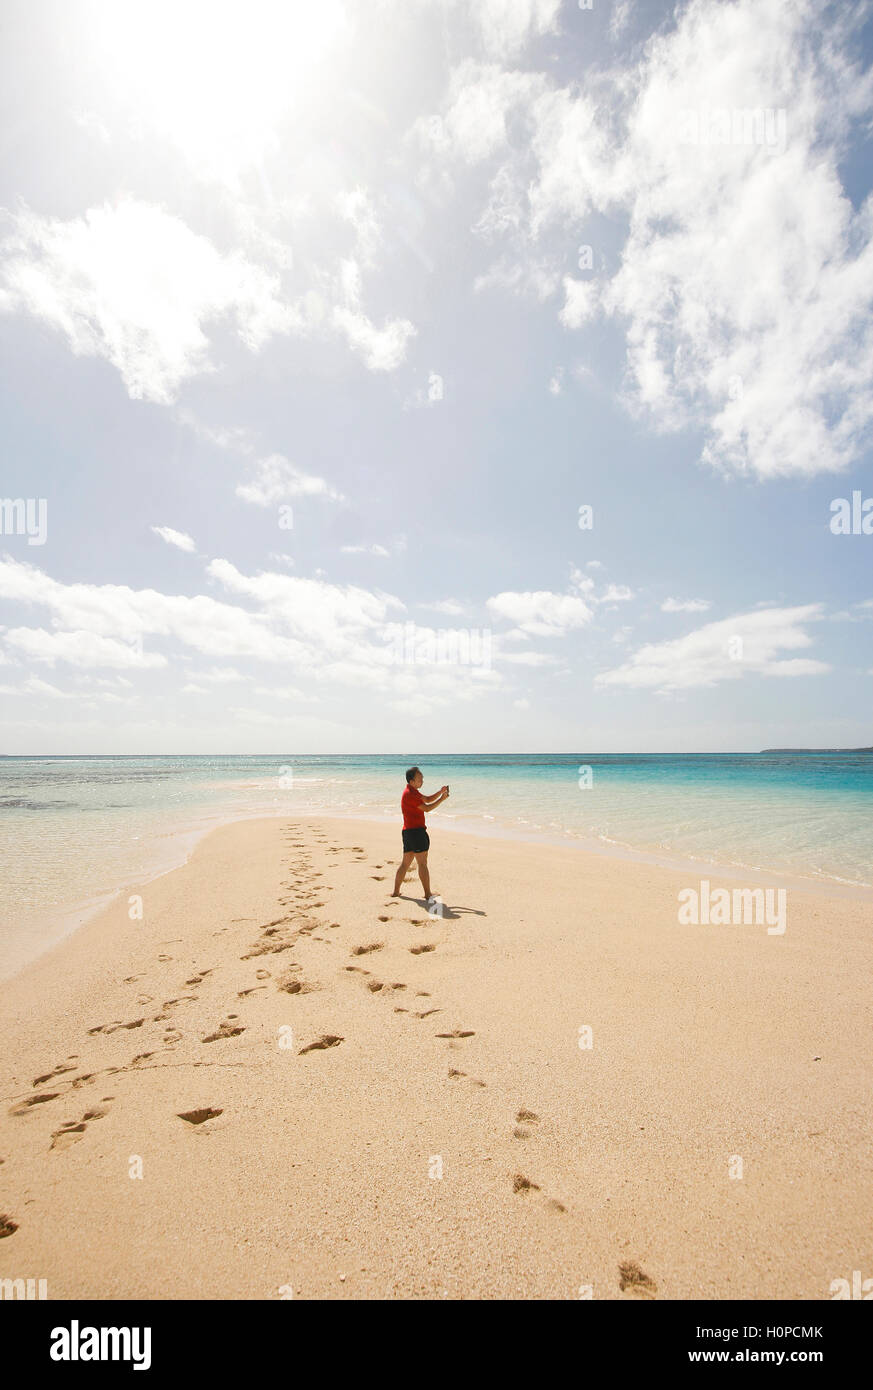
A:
(281, 1082)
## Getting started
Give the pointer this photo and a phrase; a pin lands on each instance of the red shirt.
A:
(413, 811)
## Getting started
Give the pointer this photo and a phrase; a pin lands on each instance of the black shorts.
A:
(415, 841)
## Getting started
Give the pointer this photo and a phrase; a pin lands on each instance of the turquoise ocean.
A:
(75, 830)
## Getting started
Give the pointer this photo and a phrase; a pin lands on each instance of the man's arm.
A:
(431, 802)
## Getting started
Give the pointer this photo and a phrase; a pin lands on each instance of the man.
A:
(416, 841)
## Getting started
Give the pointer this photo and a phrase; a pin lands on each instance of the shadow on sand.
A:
(448, 912)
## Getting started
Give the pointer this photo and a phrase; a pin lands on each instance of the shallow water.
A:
(74, 830)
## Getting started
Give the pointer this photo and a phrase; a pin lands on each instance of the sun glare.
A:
(216, 76)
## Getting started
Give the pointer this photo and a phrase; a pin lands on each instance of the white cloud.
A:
(220, 675)
(357, 208)
(744, 283)
(615, 593)
(325, 633)
(508, 26)
(450, 606)
(619, 18)
(749, 643)
(480, 101)
(527, 658)
(34, 686)
(374, 549)
(685, 605)
(80, 648)
(274, 479)
(382, 349)
(582, 583)
(177, 538)
(134, 285)
(105, 625)
(541, 613)
(287, 692)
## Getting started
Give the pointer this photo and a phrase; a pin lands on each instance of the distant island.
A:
(817, 750)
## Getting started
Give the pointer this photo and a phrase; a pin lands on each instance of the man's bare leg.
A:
(423, 872)
(402, 869)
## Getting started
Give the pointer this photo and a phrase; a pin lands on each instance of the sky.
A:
(435, 375)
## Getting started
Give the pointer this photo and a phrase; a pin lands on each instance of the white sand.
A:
(709, 1043)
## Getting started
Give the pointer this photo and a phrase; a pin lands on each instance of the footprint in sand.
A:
(225, 1030)
(50, 1075)
(458, 1033)
(290, 983)
(267, 948)
(115, 1025)
(365, 950)
(427, 1013)
(420, 950)
(454, 1074)
(27, 1104)
(198, 1117)
(326, 1040)
(8, 1227)
(634, 1282)
(71, 1131)
(524, 1117)
(378, 878)
(521, 1184)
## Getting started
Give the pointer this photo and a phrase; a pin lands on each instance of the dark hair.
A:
(410, 773)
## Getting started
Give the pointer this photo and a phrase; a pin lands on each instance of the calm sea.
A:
(75, 830)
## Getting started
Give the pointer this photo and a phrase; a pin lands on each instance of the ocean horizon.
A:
(75, 829)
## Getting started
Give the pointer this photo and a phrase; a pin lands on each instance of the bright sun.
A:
(215, 76)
